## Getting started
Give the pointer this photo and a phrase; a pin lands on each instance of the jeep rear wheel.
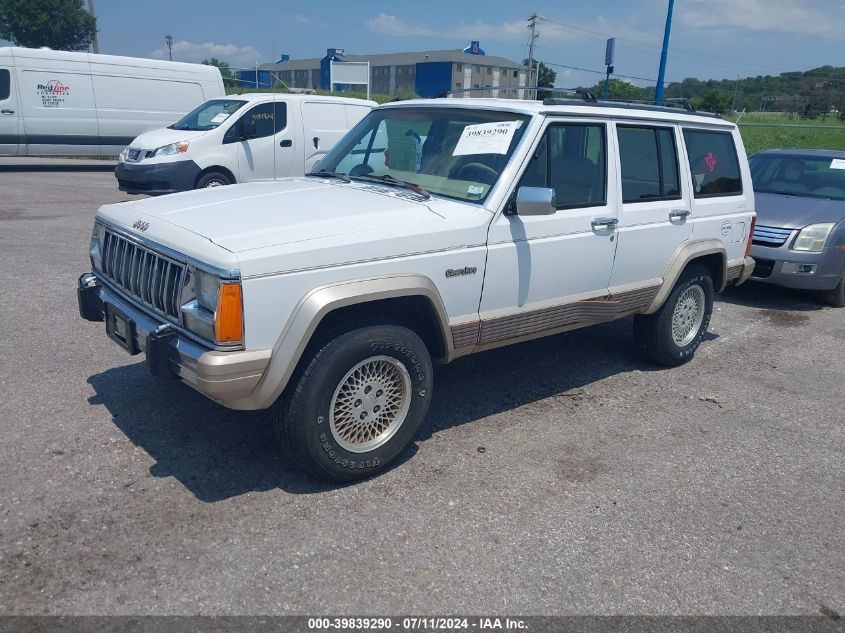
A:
(671, 335)
(359, 400)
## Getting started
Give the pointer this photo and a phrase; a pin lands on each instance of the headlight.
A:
(216, 312)
(174, 148)
(121, 158)
(811, 239)
(95, 250)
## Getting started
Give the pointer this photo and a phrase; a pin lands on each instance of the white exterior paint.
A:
(81, 104)
(314, 125)
(292, 237)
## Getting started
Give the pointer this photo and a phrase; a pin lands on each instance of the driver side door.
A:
(538, 267)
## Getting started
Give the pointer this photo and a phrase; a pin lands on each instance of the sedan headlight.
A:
(174, 148)
(811, 239)
(216, 312)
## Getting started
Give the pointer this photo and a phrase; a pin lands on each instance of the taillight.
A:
(750, 235)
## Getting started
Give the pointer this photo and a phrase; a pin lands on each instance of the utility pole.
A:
(532, 26)
(658, 95)
(168, 39)
(736, 89)
(95, 42)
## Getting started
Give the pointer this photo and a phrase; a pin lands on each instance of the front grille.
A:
(148, 277)
(770, 236)
(762, 268)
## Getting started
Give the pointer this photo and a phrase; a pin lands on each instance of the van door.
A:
(58, 112)
(324, 124)
(9, 114)
(257, 155)
(654, 219)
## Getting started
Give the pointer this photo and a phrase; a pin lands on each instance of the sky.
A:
(710, 38)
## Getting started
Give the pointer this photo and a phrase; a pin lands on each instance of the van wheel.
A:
(213, 179)
(671, 335)
(359, 401)
(835, 297)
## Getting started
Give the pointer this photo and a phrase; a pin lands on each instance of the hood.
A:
(258, 215)
(794, 212)
(164, 136)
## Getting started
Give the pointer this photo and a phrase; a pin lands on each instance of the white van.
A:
(239, 138)
(56, 103)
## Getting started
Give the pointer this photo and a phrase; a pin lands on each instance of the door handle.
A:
(604, 224)
(7, 111)
(286, 143)
(316, 142)
(679, 214)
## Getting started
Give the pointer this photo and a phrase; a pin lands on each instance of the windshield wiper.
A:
(390, 180)
(324, 173)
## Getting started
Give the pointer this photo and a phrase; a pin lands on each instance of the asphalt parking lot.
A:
(558, 477)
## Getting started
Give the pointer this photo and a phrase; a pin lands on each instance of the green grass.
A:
(806, 134)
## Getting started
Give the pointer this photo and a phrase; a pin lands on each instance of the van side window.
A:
(269, 118)
(713, 163)
(571, 160)
(5, 84)
(649, 164)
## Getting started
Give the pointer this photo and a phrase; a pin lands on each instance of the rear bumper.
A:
(157, 179)
(778, 266)
(223, 376)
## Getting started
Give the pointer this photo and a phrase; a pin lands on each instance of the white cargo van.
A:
(56, 103)
(239, 138)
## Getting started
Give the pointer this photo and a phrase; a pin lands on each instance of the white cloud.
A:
(235, 56)
(391, 25)
(301, 19)
(785, 16)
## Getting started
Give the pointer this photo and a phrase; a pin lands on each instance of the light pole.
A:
(95, 43)
(168, 39)
(658, 95)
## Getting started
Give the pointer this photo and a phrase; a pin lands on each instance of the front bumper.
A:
(223, 376)
(779, 266)
(157, 178)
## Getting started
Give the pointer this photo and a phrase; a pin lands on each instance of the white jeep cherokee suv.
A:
(432, 230)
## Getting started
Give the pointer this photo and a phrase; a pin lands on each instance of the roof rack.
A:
(590, 100)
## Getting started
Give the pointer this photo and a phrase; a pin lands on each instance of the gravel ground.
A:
(558, 477)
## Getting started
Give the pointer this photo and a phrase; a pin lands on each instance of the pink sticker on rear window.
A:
(711, 161)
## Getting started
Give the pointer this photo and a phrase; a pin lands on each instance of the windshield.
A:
(209, 115)
(796, 175)
(449, 152)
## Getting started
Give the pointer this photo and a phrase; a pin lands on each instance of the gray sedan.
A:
(799, 240)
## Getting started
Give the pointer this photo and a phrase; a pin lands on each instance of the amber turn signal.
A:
(229, 317)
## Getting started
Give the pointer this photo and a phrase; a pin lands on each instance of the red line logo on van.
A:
(54, 87)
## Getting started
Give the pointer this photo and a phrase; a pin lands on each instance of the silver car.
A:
(799, 240)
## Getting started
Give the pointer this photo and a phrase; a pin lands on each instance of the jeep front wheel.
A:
(671, 335)
(359, 401)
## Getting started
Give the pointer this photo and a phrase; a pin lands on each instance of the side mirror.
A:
(248, 130)
(535, 201)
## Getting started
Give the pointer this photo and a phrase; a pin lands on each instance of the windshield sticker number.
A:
(220, 117)
(475, 190)
(837, 163)
(486, 138)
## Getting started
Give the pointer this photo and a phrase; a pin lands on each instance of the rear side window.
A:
(5, 84)
(713, 163)
(571, 160)
(649, 164)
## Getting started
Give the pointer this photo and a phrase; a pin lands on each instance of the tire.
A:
(835, 297)
(333, 421)
(689, 307)
(213, 179)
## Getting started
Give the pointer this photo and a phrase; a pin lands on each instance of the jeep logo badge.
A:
(141, 225)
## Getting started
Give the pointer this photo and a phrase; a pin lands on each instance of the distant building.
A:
(468, 72)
